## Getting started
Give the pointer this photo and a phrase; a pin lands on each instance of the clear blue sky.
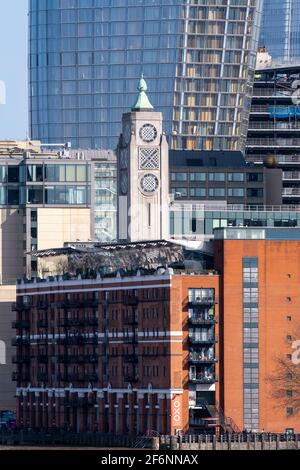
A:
(13, 68)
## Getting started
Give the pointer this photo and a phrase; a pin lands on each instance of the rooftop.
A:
(262, 233)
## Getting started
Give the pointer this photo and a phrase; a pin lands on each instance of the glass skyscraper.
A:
(198, 57)
(280, 30)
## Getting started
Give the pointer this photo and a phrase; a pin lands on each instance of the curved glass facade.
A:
(280, 32)
(198, 57)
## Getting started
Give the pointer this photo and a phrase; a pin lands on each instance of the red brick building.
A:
(114, 354)
(166, 351)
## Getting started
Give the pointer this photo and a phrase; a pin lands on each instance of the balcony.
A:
(79, 303)
(20, 377)
(131, 321)
(20, 342)
(291, 192)
(291, 175)
(19, 307)
(78, 340)
(131, 300)
(130, 340)
(80, 359)
(77, 377)
(42, 377)
(202, 320)
(43, 305)
(202, 378)
(42, 358)
(21, 360)
(201, 359)
(20, 325)
(42, 323)
(131, 378)
(79, 322)
(202, 339)
(202, 302)
(131, 359)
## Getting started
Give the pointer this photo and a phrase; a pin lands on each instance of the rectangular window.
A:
(216, 192)
(13, 174)
(216, 176)
(198, 192)
(255, 192)
(55, 173)
(236, 192)
(236, 177)
(255, 177)
(179, 192)
(178, 176)
(197, 176)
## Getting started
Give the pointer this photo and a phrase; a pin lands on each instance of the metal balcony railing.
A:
(21, 360)
(42, 377)
(201, 319)
(291, 192)
(202, 301)
(202, 379)
(131, 300)
(291, 175)
(195, 339)
(19, 307)
(20, 324)
(20, 377)
(201, 359)
(20, 342)
(42, 323)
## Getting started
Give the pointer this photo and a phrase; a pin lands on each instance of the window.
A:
(216, 192)
(13, 196)
(13, 174)
(255, 177)
(178, 176)
(197, 176)
(289, 411)
(35, 173)
(35, 195)
(255, 192)
(3, 174)
(289, 318)
(216, 176)
(236, 192)
(180, 192)
(198, 192)
(235, 177)
(55, 173)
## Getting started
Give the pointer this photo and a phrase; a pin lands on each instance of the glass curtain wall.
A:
(280, 30)
(86, 57)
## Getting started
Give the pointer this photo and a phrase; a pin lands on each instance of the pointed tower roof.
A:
(142, 102)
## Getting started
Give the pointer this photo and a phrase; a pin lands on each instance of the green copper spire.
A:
(142, 102)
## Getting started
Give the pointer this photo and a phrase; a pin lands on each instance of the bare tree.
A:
(285, 380)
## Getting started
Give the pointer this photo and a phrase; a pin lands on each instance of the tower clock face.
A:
(127, 134)
(124, 159)
(149, 183)
(124, 183)
(148, 133)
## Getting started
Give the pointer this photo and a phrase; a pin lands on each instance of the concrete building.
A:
(223, 177)
(273, 134)
(165, 349)
(47, 197)
(7, 351)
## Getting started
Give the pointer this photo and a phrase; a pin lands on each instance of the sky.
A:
(13, 69)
